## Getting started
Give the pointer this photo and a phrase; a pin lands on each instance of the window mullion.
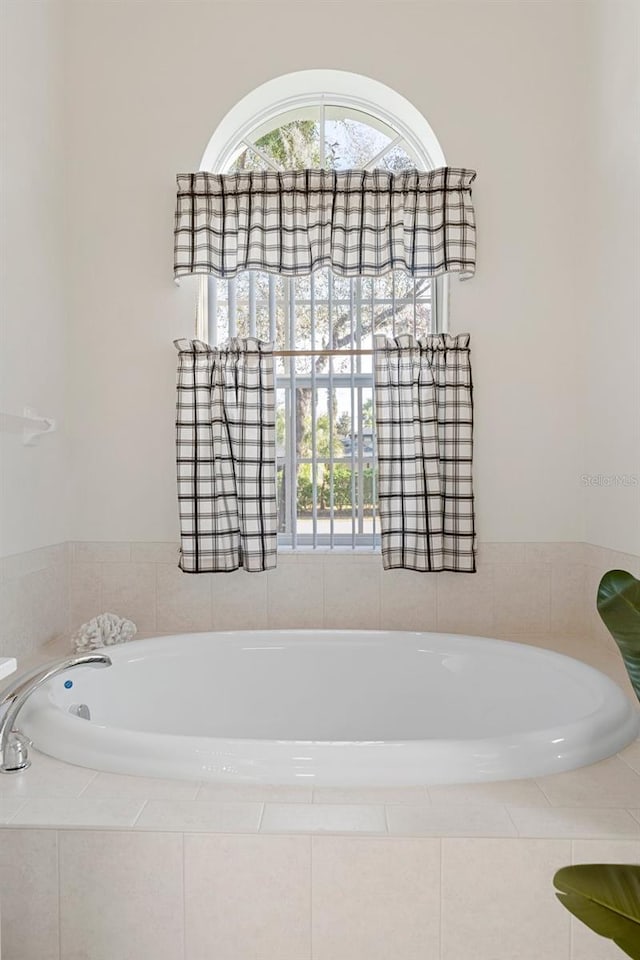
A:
(232, 293)
(293, 420)
(314, 467)
(374, 476)
(353, 418)
(252, 304)
(212, 310)
(360, 409)
(382, 153)
(263, 156)
(323, 144)
(330, 405)
(273, 308)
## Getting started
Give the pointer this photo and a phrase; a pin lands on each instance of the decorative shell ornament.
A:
(103, 631)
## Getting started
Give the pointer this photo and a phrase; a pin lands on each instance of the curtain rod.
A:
(322, 353)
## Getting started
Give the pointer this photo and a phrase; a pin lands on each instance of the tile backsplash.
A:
(521, 591)
(34, 599)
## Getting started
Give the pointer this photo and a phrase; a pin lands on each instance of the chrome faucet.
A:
(14, 746)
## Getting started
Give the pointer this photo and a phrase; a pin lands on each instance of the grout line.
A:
(505, 807)
(139, 814)
(155, 595)
(88, 784)
(59, 895)
(540, 787)
(626, 763)
(184, 902)
(311, 897)
(440, 937)
(12, 817)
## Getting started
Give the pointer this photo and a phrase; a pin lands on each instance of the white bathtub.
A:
(335, 708)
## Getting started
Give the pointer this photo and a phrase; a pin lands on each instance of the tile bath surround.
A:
(521, 591)
(313, 874)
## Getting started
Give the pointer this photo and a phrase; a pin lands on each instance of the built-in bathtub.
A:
(341, 708)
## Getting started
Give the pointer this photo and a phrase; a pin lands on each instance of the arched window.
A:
(325, 422)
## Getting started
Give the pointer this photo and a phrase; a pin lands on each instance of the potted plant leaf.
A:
(619, 606)
(605, 897)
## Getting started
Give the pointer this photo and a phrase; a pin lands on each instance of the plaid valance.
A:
(358, 223)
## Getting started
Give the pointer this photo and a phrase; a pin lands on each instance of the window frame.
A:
(272, 105)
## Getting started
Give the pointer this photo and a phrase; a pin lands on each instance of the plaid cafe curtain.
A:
(358, 223)
(424, 427)
(226, 456)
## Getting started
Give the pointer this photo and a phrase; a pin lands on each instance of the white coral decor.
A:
(102, 631)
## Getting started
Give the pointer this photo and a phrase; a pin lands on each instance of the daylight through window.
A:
(325, 417)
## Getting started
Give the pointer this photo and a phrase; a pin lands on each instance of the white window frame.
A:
(290, 97)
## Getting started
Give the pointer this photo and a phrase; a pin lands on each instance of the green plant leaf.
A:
(619, 607)
(605, 897)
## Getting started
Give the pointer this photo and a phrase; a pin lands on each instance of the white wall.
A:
(612, 412)
(33, 481)
(502, 85)
(538, 97)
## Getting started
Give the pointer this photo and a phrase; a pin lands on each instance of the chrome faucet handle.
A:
(14, 746)
(16, 754)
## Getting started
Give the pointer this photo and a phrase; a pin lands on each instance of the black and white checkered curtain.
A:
(358, 223)
(424, 421)
(226, 454)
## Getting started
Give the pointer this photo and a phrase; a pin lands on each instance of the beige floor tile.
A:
(631, 755)
(121, 896)
(108, 786)
(322, 818)
(609, 783)
(574, 822)
(498, 901)
(78, 812)
(29, 894)
(373, 795)
(247, 897)
(9, 808)
(200, 816)
(46, 778)
(518, 792)
(456, 820)
(257, 793)
(375, 899)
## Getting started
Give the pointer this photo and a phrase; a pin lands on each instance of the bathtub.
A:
(334, 708)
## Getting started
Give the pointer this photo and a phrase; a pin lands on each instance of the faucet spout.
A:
(14, 746)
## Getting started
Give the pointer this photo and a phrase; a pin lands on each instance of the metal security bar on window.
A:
(324, 325)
